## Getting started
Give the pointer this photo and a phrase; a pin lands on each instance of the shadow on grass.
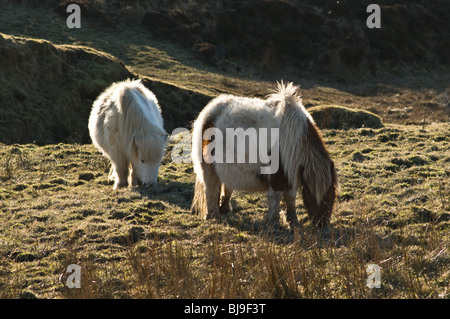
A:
(176, 193)
(177, 197)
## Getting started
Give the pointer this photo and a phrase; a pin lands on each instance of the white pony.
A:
(303, 161)
(127, 127)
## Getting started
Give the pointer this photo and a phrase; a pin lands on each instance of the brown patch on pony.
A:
(279, 180)
(208, 124)
(315, 137)
(320, 214)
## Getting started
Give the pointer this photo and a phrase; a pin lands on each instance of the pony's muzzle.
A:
(149, 184)
(146, 184)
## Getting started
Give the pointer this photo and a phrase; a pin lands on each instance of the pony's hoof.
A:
(325, 230)
(225, 209)
(120, 185)
(213, 216)
(294, 224)
(272, 224)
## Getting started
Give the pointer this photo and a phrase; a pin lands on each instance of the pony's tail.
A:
(199, 201)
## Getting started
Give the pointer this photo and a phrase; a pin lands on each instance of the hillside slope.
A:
(47, 91)
(415, 93)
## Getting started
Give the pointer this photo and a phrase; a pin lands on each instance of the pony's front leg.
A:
(121, 174)
(119, 168)
(273, 214)
(291, 215)
(133, 178)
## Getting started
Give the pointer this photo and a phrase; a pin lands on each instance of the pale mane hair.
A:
(303, 153)
(142, 132)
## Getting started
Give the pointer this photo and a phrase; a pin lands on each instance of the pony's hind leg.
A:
(273, 213)
(212, 192)
(225, 205)
(291, 215)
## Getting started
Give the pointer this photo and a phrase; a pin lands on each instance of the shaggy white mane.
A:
(297, 145)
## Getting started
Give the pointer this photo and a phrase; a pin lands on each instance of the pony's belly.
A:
(241, 177)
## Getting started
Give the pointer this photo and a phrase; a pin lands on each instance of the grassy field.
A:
(57, 207)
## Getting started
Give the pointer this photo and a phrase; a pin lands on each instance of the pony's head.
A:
(146, 157)
(320, 209)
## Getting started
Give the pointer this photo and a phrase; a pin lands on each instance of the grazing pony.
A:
(303, 161)
(126, 126)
